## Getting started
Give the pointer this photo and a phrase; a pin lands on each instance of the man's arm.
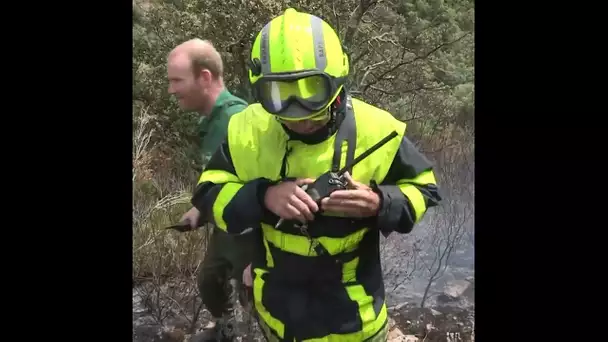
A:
(407, 191)
(226, 201)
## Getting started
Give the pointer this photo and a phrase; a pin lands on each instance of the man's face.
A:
(188, 89)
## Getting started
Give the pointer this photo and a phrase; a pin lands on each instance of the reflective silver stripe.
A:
(264, 50)
(319, 43)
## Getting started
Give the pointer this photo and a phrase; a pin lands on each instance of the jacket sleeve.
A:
(226, 201)
(407, 192)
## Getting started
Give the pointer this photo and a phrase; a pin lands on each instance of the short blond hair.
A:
(202, 55)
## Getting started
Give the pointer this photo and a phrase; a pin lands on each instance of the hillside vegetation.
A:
(412, 58)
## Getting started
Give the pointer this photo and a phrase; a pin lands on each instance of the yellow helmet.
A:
(297, 66)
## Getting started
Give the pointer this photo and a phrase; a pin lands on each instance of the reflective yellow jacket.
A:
(300, 294)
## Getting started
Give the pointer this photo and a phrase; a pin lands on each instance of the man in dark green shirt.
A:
(195, 74)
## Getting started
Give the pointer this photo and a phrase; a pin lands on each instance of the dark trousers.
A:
(226, 257)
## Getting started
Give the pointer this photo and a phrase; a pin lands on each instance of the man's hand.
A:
(191, 217)
(358, 201)
(288, 201)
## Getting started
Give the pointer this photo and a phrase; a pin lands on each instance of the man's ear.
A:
(205, 75)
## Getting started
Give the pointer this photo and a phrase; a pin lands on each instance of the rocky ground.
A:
(439, 324)
(172, 316)
(451, 319)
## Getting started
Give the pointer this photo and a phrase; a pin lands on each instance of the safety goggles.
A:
(311, 89)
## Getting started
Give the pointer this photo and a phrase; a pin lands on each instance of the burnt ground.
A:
(438, 324)
(448, 321)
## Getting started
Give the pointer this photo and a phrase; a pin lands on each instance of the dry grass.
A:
(159, 200)
(159, 251)
(164, 262)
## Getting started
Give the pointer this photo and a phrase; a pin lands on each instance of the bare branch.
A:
(355, 19)
(417, 58)
(361, 55)
(382, 38)
(406, 91)
(336, 16)
(368, 69)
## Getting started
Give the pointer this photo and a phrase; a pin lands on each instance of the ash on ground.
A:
(452, 319)
(173, 313)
